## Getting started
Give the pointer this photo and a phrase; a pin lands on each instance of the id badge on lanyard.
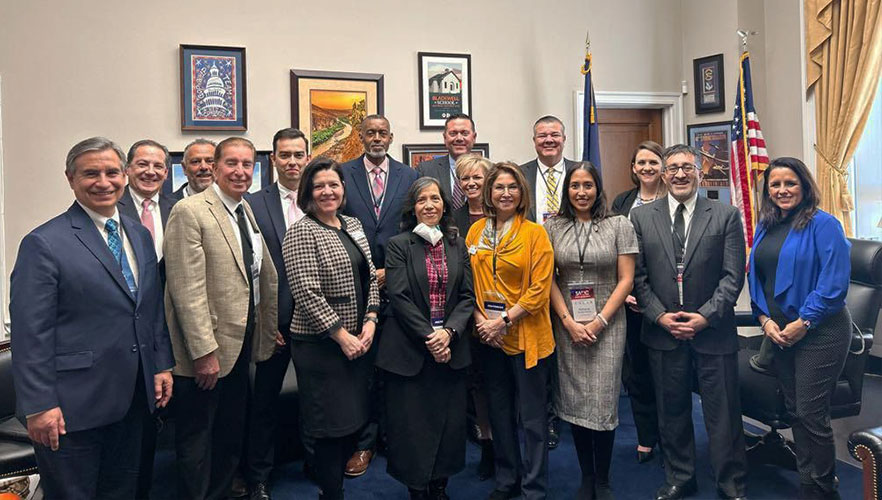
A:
(437, 324)
(494, 304)
(680, 268)
(584, 302)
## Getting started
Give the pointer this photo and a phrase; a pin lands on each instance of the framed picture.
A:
(328, 106)
(414, 154)
(445, 87)
(213, 88)
(709, 87)
(714, 141)
(263, 172)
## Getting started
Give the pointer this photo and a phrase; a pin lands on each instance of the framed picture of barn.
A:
(445, 87)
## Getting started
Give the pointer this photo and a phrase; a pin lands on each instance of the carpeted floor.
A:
(630, 480)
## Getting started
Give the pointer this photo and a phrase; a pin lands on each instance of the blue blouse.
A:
(814, 268)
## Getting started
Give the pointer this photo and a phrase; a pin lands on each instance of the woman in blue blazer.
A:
(799, 274)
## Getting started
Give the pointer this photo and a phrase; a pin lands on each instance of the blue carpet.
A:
(630, 480)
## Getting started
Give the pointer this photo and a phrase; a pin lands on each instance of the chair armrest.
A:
(745, 318)
(866, 445)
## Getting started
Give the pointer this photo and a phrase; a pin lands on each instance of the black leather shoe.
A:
(486, 468)
(669, 492)
(514, 492)
(553, 435)
(260, 492)
(603, 491)
(645, 456)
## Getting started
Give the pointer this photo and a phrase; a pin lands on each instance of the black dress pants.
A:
(210, 431)
(637, 379)
(97, 463)
(263, 417)
(673, 372)
(331, 455)
(514, 391)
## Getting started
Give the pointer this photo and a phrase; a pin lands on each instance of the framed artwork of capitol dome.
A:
(213, 88)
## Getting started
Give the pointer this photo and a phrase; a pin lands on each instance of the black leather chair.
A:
(16, 452)
(866, 446)
(761, 397)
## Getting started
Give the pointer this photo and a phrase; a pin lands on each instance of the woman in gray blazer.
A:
(334, 285)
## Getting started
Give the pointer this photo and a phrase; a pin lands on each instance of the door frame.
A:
(4, 295)
(671, 104)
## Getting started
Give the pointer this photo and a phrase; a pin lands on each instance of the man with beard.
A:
(459, 138)
(275, 209)
(198, 162)
(376, 186)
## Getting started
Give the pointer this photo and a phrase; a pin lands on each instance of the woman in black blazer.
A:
(646, 166)
(422, 351)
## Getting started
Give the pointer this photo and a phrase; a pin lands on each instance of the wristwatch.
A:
(372, 319)
(807, 324)
(505, 318)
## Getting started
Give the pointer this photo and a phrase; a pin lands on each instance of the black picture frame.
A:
(176, 177)
(709, 87)
(414, 154)
(213, 98)
(435, 107)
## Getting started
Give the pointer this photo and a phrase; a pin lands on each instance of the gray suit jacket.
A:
(712, 279)
(439, 168)
(531, 172)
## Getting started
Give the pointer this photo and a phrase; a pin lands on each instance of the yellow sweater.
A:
(524, 269)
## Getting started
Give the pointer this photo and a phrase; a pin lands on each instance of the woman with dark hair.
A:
(594, 254)
(646, 168)
(328, 261)
(423, 352)
(799, 273)
(512, 262)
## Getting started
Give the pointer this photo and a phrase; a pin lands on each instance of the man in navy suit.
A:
(376, 187)
(92, 354)
(459, 139)
(275, 209)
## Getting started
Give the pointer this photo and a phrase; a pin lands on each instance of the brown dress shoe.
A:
(358, 463)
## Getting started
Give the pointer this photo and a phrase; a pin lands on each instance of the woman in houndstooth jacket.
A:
(334, 284)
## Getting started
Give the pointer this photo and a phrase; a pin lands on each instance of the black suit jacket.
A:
(712, 278)
(402, 348)
(438, 168)
(360, 204)
(179, 194)
(624, 201)
(267, 207)
(126, 205)
(531, 172)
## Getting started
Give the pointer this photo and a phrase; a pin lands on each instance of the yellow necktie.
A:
(552, 204)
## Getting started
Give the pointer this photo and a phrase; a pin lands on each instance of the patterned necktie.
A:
(552, 204)
(378, 188)
(147, 216)
(458, 196)
(114, 241)
(679, 233)
(294, 212)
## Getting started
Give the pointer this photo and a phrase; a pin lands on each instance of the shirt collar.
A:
(452, 162)
(558, 167)
(99, 219)
(284, 191)
(370, 166)
(690, 204)
(228, 202)
(140, 200)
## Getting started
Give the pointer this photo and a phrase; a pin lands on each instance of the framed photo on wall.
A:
(445, 87)
(263, 172)
(328, 106)
(414, 154)
(714, 141)
(213, 93)
(709, 84)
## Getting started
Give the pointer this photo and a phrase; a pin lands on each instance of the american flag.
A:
(749, 156)
(590, 129)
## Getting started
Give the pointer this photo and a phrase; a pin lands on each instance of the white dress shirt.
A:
(542, 188)
(157, 219)
(100, 221)
(286, 204)
(688, 211)
(256, 242)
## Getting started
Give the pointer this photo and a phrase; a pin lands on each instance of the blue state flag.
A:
(590, 132)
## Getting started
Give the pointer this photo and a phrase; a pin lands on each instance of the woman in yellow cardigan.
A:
(512, 262)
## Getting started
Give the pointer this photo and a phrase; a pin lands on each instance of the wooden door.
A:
(621, 130)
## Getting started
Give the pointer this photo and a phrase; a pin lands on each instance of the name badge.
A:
(584, 302)
(547, 215)
(437, 323)
(255, 280)
(356, 235)
(494, 304)
(680, 269)
(473, 250)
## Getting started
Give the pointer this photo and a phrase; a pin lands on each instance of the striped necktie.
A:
(552, 204)
(114, 241)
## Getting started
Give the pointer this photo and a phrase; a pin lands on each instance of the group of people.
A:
(402, 295)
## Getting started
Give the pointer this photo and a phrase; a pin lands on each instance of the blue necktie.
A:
(116, 247)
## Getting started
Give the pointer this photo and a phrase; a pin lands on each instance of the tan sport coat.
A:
(206, 294)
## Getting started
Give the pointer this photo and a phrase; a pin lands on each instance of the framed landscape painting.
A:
(445, 87)
(328, 106)
(414, 154)
(213, 93)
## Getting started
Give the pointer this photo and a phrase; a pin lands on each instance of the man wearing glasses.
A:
(689, 273)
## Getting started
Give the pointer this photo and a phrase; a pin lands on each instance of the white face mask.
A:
(431, 234)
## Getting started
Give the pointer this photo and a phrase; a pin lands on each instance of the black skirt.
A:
(333, 391)
(426, 424)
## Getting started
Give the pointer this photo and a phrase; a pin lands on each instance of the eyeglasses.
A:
(499, 188)
(687, 168)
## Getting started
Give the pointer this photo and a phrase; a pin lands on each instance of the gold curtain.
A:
(843, 63)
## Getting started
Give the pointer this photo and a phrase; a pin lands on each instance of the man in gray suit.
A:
(459, 138)
(690, 271)
(546, 173)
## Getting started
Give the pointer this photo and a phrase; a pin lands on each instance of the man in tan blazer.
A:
(221, 308)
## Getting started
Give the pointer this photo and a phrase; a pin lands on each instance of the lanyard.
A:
(493, 221)
(439, 268)
(376, 201)
(548, 188)
(583, 247)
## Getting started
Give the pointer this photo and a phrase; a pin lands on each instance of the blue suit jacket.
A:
(814, 269)
(360, 204)
(78, 334)
(267, 207)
